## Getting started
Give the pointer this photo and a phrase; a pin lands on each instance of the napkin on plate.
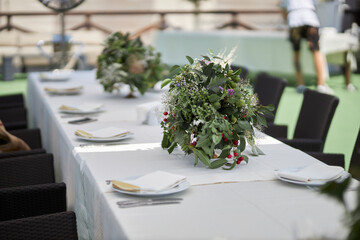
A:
(110, 132)
(83, 107)
(314, 172)
(152, 182)
(63, 90)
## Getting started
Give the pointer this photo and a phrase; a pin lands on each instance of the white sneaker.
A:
(350, 87)
(325, 89)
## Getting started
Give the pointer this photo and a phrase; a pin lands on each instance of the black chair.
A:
(14, 118)
(26, 170)
(354, 168)
(316, 114)
(269, 90)
(333, 159)
(31, 136)
(52, 226)
(244, 71)
(12, 101)
(22, 153)
(33, 200)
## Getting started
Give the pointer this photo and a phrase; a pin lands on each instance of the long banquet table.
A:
(245, 203)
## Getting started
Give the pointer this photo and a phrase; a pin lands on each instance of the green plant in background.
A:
(337, 191)
(211, 112)
(128, 61)
(196, 3)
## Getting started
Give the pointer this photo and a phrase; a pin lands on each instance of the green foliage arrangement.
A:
(128, 61)
(211, 112)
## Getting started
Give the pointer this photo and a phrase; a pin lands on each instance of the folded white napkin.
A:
(156, 181)
(147, 113)
(56, 75)
(315, 172)
(85, 107)
(109, 132)
(70, 89)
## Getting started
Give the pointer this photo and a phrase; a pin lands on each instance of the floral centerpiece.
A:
(211, 112)
(128, 61)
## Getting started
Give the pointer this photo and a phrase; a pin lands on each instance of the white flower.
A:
(197, 122)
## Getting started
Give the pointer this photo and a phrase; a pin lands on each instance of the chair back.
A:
(269, 90)
(316, 114)
(27, 170)
(12, 101)
(14, 118)
(51, 226)
(354, 168)
(33, 200)
(31, 136)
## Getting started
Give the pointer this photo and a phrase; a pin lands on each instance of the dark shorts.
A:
(311, 34)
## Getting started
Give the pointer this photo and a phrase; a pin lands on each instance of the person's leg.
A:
(313, 42)
(297, 66)
(295, 38)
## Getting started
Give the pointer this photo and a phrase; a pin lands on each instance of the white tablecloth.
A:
(256, 206)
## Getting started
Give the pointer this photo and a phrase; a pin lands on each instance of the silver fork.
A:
(148, 202)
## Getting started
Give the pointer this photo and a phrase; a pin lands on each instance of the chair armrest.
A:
(306, 145)
(35, 200)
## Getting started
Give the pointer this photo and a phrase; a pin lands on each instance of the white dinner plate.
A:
(182, 186)
(110, 139)
(311, 183)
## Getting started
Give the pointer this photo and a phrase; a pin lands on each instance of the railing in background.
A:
(160, 24)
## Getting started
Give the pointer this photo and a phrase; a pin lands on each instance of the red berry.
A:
(193, 144)
(236, 154)
(238, 162)
(165, 113)
(165, 119)
(232, 133)
(228, 156)
(244, 116)
(236, 142)
(222, 135)
(240, 158)
(225, 139)
(225, 117)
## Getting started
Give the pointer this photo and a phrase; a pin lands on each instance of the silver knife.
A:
(102, 144)
(148, 200)
(145, 203)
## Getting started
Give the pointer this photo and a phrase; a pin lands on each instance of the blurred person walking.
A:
(303, 22)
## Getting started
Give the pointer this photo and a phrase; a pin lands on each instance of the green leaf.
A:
(173, 68)
(165, 141)
(261, 120)
(231, 167)
(246, 158)
(191, 61)
(218, 163)
(172, 147)
(202, 156)
(245, 125)
(214, 98)
(216, 139)
(225, 151)
(202, 141)
(196, 159)
(242, 143)
(206, 58)
(165, 82)
(211, 51)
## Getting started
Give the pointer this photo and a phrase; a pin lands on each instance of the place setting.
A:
(82, 109)
(103, 136)
(151, 188)
(69, 90)
(314, 175)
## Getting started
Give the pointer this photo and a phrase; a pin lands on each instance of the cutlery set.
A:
(148, 202)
